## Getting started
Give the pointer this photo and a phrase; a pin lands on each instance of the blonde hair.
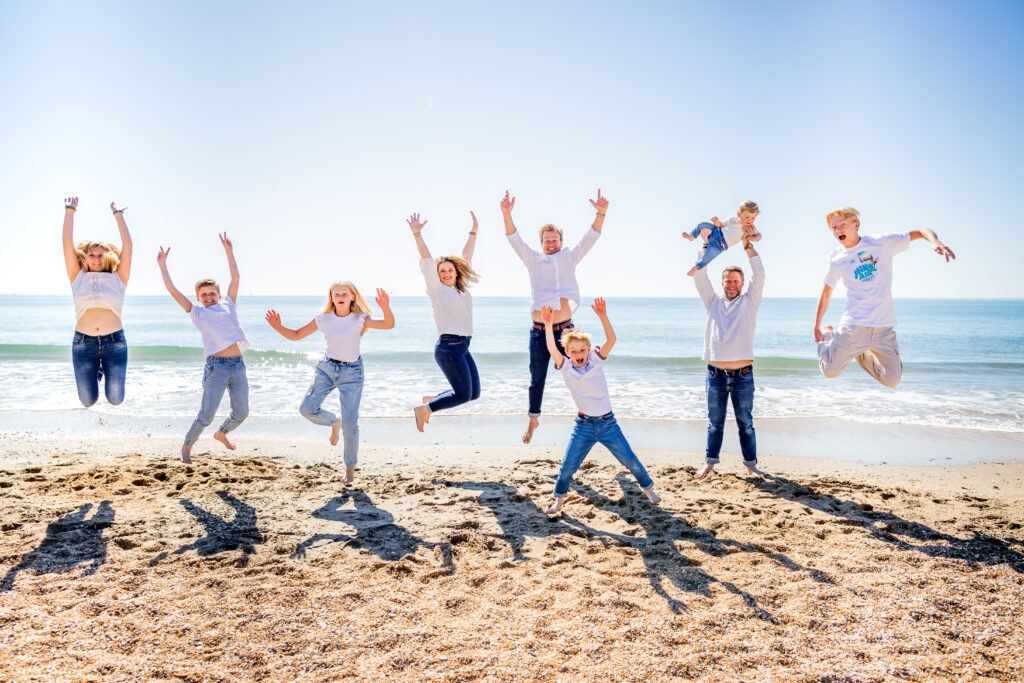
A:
(847, 212)
(571, 333)
(749, 205)
(358, 305)
(550, 227)
(207, 282)
(733, 269)
(111, 257)
(464, 273)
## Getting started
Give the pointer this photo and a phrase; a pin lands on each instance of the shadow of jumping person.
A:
(892, 529)
(376, 530)
(221, 535)
(515, 513)
(69, 541)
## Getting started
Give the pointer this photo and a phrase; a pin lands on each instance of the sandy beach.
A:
(119, 563)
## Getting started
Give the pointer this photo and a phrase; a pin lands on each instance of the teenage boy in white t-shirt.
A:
(866, 330)
(584, 375)
(223, 343)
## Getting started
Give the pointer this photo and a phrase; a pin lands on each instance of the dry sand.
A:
(119, 563)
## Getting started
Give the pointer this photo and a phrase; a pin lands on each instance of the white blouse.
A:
(453, 310)
(97, 290)
(219, 326)
(553, 277)
(342, 333)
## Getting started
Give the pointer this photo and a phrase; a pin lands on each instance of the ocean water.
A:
(963, 362)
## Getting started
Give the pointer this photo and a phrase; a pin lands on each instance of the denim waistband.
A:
(357, 361)
(556, 327)
(731, 373)
(224, 360)
(112, 337)
(594, 418)
(454, 338)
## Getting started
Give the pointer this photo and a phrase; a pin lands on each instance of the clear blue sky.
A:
(310, 131)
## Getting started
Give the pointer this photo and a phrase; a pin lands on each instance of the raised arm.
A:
(389, 318)
(124, 268)
(929, 234)
(703, 283)
(417, 228)
(274, 318)
(823, 302)
(756, 290)
(182, 300)
(506, 212)
(547, 316)
(229, 249)
(467, 251)
(601, 308)
(68, 238)
(601, 206)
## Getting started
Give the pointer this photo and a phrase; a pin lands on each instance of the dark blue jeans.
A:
(452, 355)
(99, 356)
(739, 384)
(540, 359)
(716, 243)
(604, 430)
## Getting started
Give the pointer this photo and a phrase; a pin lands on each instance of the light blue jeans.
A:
(593, 430)
(716, 243)
(221, 373)
(347, 378)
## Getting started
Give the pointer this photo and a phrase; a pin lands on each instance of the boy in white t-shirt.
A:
(584, 375)
(223, 344)
(867, 329)
(719, 236)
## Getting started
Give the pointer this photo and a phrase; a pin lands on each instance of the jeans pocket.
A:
(78, 339)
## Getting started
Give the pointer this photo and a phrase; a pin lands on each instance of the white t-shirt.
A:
(588, 386)
(218, 324)
(729, 330)
(866, 271)
(553, 277)
(342, 333)
(732, 231)
(97, 290)
(453, 310)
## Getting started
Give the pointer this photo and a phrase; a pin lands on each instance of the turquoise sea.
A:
(963, 362)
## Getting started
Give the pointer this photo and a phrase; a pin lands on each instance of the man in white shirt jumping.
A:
(553, 281)
(729, 352)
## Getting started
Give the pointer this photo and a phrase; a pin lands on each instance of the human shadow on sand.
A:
(69, 541)
(221, 535)
(515, 513)
(891, 528)
(376, 530)
(662, 559)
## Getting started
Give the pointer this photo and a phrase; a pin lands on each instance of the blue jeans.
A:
(716, 243)
(221, 372)
(540, 359)
(721, 384)
(452, 355)
(98, 356)
(347, 378)
(589, 431)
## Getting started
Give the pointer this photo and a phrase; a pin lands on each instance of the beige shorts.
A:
(874, 348)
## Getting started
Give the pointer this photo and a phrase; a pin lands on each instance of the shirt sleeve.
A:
(834, 274)
(523, 251)
(756, 290)
(429, 269)
(703, 284)
(895, 242)
(586, 244)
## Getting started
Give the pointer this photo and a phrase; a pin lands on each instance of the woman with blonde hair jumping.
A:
(344, 320)
(448, 279)
(98, 272)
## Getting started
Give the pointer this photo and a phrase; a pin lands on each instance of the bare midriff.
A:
(98, 322)
(229, 352)
(730, 364)
(563, 313)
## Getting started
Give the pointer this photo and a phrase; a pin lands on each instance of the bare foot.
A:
(186, 455)
(705, 471)
(752, 469)
(528, 434)
(692, 271)
(421, 413)
(350, 474)
(428, 399)
(688, 236)
(652, 496)
(335, 430)
(554, 509)
(705, 234)
(223, 438)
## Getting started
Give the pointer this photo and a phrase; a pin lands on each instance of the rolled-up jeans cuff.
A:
(712, 461)
(533, 414)
(559, 497)
(750, 463)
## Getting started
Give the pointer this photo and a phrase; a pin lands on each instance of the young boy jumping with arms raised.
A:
(223, 344)
(719, 236)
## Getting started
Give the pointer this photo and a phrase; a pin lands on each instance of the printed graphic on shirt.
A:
(868, 267)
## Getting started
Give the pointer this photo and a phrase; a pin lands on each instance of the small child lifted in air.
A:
(584, 375)
(720, 236)
(223, 345)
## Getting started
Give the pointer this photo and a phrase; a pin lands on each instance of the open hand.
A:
(600, 307)
(71, 202)
(507, 203)
(382, 299)
(274, 318)
(161, 258)
(942, 250)
(414, 223)
(547, 315)
(225, 241)
(717, 223)
(473, 215)
(601, 204)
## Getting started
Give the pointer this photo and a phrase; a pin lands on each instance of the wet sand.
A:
(117, 562)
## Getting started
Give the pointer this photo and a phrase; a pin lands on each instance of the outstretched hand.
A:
(228, 247)
(600, 307)
(273, 317)
(942, 250)
(547, 315)
(115, 208)
(601, 204)
(71, 202)
(473, 215)
(161, 258)
(382, 299)
(415, 224)
(507, 203)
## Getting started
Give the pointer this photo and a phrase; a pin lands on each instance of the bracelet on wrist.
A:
(70, 207)
(600, 214)
(117, 211)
